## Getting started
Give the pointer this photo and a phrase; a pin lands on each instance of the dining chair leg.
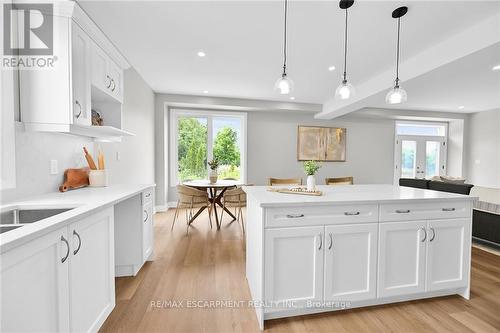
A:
(209, 215)
(242, 221)
(222, 213)
(175, 216)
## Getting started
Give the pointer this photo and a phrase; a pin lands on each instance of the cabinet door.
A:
(147, 231)
(294, 266)
(99, 69)
(91, 271)
(34, 285)
(448, 255)
(80, 76)
(116, 75)
(351, 262)
(401, 268)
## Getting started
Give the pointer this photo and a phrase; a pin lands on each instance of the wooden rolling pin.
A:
(90, 160)
(100, 160)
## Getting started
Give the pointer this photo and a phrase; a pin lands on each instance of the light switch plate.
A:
(54, 168)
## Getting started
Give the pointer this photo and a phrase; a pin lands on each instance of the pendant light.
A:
(345, 90)
(397, 94)
(284, 83)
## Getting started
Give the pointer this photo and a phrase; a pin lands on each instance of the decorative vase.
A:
(213, 176)
(311, 183)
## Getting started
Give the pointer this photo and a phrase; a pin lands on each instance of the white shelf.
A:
(99, 133)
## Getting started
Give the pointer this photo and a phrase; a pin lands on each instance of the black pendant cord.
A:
(345, 49)
(284, 39)
(397, 55)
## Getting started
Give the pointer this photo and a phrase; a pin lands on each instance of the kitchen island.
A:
(354, 246)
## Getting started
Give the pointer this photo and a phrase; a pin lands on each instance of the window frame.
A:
(175, 114)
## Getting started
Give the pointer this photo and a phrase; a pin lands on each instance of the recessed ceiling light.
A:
(495, 68)
(461, 107)
(201, 54)
(292, 98)
(331, 68)
(205, 91)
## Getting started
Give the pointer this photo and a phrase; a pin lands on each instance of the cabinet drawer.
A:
(424, 211)
(147, 196)
(321, 215)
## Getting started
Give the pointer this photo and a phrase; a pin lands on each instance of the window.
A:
(420, 150)
(199, 136)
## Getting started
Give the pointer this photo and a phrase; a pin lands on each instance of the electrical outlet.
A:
(118, 156)
(54, 168)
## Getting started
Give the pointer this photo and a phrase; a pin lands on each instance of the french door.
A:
(419, 157)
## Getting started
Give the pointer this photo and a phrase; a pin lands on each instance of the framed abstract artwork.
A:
(326, 144)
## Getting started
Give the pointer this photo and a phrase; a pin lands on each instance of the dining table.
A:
(215, 195)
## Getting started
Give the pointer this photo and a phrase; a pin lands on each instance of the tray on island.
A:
(295, 190)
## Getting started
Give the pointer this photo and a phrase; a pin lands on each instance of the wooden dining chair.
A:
(340, 181)
(189, 198)
(284, 181)
(236, 198)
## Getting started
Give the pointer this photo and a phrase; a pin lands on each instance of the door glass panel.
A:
(432, 161)
(408, 158)
(192, 148)
(226, 146)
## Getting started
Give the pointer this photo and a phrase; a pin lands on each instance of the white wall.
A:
(34, 150)
(137, 156)
(483, 149)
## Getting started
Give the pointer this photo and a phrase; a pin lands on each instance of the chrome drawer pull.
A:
(433, 235)
(294, 216)
(79, 242)
(320, 241)
(67, 249)
(331, 241)
(147, 215)
(402, 211)
(448, 209)
(351, 213)
(148, 195)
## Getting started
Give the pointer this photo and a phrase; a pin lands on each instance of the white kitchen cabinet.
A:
(294, 266)
(447, 254)
(34, 285)
(402, 257)
(350, 262)
(62, 281)
(80, 54)
(147, 231)
(106, 75)
(91, 271)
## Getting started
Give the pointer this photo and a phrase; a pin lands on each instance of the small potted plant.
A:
(310, 168)
(214, 164)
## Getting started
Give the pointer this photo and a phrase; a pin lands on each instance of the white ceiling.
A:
(243, 43)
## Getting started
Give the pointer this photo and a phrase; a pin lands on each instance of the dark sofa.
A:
(436, 185)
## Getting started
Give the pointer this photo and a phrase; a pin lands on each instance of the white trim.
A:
(397, 145)
(160, 208)
(174, 114)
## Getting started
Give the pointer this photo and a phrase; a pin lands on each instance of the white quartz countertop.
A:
(349, 194)
(86, 200)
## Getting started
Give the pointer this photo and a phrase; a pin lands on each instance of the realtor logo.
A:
(28, 29)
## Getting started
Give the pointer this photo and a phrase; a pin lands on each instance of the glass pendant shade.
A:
(284, 85)
(396, 95)
(345, 90)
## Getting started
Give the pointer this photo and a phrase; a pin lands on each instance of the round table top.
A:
(205, 183)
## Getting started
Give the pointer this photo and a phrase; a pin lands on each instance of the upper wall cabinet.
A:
(86, 76)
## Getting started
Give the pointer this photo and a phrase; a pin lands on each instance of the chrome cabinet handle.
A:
(67, 249)
(109, 80)
(433, 235)
(448, 209)
(351, 213)
(331, 241)
(80, 107)
(294, 216)
(148, 195)
(320, 241)
(114, 85)
(402, 211)
(79, 242)
(147, 216)
(425, 234)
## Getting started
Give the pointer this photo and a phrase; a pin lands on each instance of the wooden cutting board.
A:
(299, 191)
(75, 178)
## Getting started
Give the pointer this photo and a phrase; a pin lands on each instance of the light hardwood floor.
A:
(210, 265)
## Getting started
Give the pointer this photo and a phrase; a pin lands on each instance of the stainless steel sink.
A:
(18, 216)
